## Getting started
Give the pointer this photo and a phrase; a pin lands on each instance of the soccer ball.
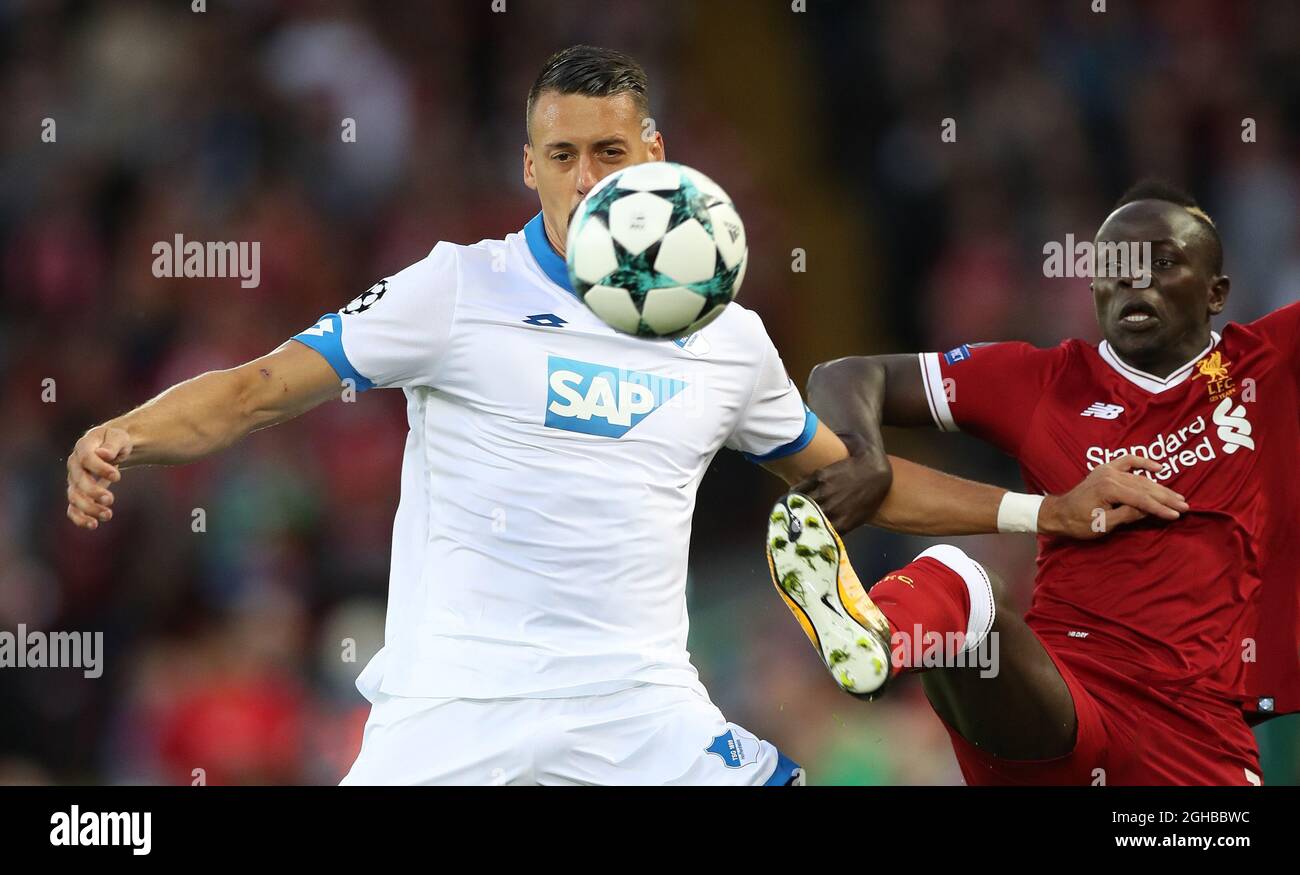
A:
(656, 250)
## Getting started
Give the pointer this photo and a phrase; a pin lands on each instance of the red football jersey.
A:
(1209, 602)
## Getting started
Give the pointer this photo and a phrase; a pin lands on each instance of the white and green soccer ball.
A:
(657, 250)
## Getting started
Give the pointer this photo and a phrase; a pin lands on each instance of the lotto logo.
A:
(546, 320)
(1103, 411)
(600, 400)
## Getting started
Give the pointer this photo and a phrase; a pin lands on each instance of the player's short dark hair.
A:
(594, 72)
(1151, 189)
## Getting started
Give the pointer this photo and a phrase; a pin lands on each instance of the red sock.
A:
(927, 604)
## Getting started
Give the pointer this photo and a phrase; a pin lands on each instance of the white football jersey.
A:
(550, 472)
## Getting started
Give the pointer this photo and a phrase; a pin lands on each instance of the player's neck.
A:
(558, 246)
(1162, 363)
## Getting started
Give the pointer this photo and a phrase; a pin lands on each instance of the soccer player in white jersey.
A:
(536, 629)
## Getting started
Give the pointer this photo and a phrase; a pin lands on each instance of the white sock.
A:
(982, 609)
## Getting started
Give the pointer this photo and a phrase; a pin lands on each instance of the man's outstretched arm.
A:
(889, 492)
(194, 419)
(857, 395)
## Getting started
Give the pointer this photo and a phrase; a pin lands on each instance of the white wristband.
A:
(1019, 512)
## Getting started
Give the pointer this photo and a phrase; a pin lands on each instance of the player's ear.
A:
(1219, 295)
(657, 150)
(530, 176)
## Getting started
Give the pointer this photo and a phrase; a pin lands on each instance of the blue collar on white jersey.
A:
(547, 258)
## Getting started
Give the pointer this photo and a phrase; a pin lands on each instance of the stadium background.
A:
(224, 648)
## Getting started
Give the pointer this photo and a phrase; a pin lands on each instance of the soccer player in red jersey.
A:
(1146, 656)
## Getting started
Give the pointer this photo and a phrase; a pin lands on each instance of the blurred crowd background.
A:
(231, 650)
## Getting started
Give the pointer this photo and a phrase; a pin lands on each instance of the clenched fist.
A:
(849, 491)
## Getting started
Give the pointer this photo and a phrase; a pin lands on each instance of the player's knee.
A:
(984, 589)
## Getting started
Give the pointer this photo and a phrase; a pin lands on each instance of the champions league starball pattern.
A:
(657, 250)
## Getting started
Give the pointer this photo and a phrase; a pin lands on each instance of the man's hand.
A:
(195, 419)
(1109, 497)
(850, 491)
(92, 466)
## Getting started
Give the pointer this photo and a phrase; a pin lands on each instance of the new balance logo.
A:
(1103, 411)
(600, 400)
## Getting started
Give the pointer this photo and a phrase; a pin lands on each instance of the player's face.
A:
(576, 142)
(1183, 294)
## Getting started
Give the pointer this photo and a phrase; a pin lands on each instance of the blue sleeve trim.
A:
(784, 773)
(804, 439)
(326, 337)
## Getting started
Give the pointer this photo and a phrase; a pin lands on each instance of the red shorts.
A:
(1128, 733)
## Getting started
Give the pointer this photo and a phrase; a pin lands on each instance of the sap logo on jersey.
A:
(601, 400)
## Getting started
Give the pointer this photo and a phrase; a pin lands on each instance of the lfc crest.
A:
(1215, 371)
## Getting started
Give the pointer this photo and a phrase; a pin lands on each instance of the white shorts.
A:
(648, 734)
